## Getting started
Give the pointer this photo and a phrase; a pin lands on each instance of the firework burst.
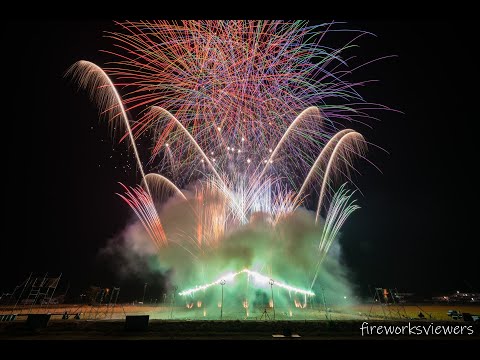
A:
(249, 114)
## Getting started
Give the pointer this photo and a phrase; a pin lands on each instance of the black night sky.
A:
(417, 227)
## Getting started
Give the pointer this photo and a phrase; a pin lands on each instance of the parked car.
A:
(454, 314)
(27, 301)
(49, 302)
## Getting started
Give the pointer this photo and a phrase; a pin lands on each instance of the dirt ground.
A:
(167, 323)
(356, 312)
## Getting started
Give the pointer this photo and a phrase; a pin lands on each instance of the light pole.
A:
(144, 291)
(271, 282)
(173, 301)
(324, 303)
(222, 282)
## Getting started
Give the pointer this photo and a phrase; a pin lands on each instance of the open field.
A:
(181, 323)
(161, 312)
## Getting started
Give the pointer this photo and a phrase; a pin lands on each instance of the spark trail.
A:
(245, 122)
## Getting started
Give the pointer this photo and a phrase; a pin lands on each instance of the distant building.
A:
(458, 297)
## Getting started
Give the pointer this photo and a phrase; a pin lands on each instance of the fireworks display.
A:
(246, 123)
(255, 275)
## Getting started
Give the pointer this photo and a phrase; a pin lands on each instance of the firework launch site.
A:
(343, 323)
(32, 311)
(223, 188)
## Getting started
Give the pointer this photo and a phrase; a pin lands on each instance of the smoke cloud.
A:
(286, 252)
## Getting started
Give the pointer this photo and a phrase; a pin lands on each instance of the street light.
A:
(271, 282)
(222, 282)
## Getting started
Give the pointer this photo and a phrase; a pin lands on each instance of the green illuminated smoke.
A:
(292, 252)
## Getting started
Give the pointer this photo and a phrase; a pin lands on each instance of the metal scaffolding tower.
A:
(40, 290)
(391, 308)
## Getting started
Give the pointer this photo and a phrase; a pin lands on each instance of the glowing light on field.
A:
(259, 278)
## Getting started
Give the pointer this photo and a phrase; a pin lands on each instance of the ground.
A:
(181, 323)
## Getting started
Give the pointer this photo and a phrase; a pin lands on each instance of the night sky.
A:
(416, 230)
